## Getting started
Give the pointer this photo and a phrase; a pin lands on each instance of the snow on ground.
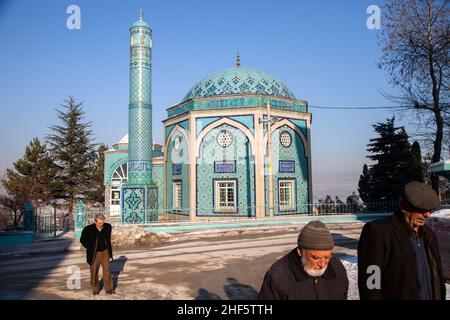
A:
(441, 213)
(351, 265)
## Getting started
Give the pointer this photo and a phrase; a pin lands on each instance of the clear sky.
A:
(322, 50)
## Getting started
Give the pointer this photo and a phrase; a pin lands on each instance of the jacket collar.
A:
(403, 233)
(299, 271)
(399, 222)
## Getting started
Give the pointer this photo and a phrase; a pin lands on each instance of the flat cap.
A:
(420, 196)
(315, 236)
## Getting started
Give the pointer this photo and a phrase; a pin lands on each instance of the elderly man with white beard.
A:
(308, 272)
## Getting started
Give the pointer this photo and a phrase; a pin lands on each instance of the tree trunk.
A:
(437, 148)
(436, 109)
(15, 220)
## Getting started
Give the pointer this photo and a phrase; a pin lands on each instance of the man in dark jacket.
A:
(308, 272)
(96, 238)
(398, 257)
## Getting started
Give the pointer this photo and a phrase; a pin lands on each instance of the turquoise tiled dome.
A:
(239, 81)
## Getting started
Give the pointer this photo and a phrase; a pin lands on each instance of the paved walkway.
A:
(230, 266)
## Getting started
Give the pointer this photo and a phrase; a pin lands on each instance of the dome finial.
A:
(141, 14)
(238, 60)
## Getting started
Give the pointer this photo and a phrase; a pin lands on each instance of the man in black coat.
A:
(398, 257)
(96, 238)
(308, 272)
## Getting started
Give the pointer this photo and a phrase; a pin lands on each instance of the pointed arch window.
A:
(119, 177)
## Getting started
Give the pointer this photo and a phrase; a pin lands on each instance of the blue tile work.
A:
(138, 194)
(240, 151)
(246, 120)
(202, 123)
(236, 101)
(301, 124)
(180, 156)
(239, 81)
(112, 162)
(140, 106)
(134, 205)
(185, 125)
(295, 152)
(168, 129)
(158, 179)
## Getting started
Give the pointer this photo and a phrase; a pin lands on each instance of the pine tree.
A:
(98, 191)
(418, 169)
(74, 153)
(33, 175)
(30, 180)
(395, 164)
(364, 184)
(354, 202)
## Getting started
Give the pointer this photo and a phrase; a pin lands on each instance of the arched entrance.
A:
(119, 177)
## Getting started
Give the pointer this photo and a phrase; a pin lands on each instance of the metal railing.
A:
(50, 222)
(242, 212)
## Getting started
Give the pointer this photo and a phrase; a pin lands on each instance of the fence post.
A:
(80, 218)
(28, 218)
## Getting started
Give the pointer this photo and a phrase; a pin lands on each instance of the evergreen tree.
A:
(74, 153)
(98, 191)
(30, 180)
(418, 169)
(354, 203)
(395, 164)
(364, 184)
(32, 176)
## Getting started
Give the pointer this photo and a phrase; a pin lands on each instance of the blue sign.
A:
(176, 169)
(286, 166)
(224, 166)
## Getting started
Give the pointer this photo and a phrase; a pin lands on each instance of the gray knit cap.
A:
(315, 236)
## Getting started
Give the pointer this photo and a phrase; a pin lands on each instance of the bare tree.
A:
(415, 42)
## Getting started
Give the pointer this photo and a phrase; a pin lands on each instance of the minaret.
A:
(136, 194)
(140, 107)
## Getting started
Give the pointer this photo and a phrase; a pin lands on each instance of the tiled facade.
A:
(215, 145)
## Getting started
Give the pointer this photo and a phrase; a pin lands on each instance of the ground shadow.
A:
(24, 267)
(204, 294)
(344, 241)
(239, 291)
(233, 289)
(116, 267)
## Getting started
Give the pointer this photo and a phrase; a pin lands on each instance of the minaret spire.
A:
(238, 60)
(138, 193)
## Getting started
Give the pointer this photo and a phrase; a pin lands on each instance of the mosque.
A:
(238, 144)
